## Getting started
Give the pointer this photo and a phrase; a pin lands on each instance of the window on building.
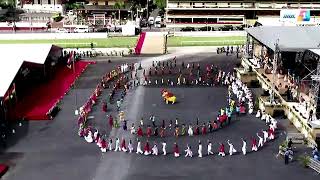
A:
(49, 1)
(106, 3)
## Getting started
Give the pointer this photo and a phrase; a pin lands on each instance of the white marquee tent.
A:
(13, 56)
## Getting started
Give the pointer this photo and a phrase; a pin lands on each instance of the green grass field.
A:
(111, 42)
(205, 41)
(126, 42)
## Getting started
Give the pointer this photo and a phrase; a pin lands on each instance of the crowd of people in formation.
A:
(152, 149)
(237, 106)
(120, 81)
(229, 50)
(188, 74)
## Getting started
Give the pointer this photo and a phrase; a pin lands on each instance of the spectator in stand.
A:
(315, 154)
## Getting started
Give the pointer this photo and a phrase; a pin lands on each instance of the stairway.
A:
(154, 43)
(140, 43)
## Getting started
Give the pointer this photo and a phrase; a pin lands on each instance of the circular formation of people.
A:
(239, 97)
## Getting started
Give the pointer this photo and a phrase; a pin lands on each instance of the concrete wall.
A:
(30, 36)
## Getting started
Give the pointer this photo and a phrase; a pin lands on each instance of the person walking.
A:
(260, 141)
(231, 148)
(139, 151)
(130, 147)
(200, 149)
(244, 147)
(164, 147)
(117, 147)
(155, 149)
(221, 150)
(209, 148)
(176, 150)
(254, 144)
(286, 156)
(188, 151)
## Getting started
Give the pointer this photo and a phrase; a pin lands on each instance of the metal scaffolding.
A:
(274, 71)
(315, 89)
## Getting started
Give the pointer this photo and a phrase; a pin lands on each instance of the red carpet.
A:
(37, 104)
(3, 169)
(140, 43)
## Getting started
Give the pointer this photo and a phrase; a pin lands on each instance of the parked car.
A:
(158, 22)
(61, 30)
(206, 28)
(226, 28)
(103, 29)
(143, 23)
(81, 30)
(188, 29)
(151, 20)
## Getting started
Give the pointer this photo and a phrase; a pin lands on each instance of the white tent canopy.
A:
(13, 56)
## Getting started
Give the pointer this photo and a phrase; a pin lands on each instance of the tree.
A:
(119, 5)
(161, 4)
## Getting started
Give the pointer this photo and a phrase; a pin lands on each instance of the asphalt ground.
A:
(52, 149)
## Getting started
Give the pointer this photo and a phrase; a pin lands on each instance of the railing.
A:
(244, 6)
(213, 42)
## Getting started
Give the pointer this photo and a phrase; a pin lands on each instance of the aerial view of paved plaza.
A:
(131, 90)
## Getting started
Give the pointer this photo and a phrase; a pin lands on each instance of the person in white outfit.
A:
(95, 134)
(244, 147)
(89, 137)
(260, 141)
(263, 116)
(188, 151)
(132, 129)
(117, 148)
(130, 147)
(200, 149)
(155, 149)
(139, 151)
(110, 144)
(231, 148)
(268, 117)
(190, 131)
(274, 123)
(250, 109)
(209, 148)
(265, 136)
(164, 146)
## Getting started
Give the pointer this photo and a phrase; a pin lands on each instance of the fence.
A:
(213, 42)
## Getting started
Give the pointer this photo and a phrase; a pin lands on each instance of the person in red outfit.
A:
(204, 129)
(147, 150)
(254, 144)
(110, 121)
(123, 145)
(271, 133)
(149, 131)
(176, 150)
(140, 132)
(104, 107)
(104, 145)
(196, 131)
(221, 150)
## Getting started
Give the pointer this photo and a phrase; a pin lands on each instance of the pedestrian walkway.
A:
(154, 43)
